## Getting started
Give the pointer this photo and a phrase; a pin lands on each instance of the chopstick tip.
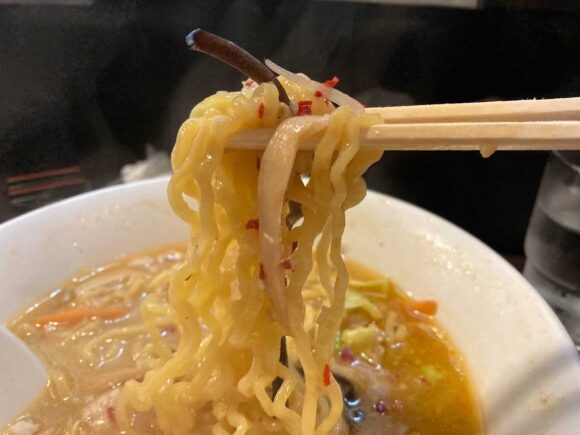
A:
(190, 38)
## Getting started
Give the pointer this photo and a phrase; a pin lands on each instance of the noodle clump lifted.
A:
(239, 289)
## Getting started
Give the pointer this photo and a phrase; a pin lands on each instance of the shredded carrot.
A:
(428, 308)
(326, 375)
(77, 314)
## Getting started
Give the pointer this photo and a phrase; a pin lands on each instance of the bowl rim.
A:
(498, 258)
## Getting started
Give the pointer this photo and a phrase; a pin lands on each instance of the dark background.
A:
(91, 85)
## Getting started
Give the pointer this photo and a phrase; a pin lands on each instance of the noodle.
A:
(231, 319)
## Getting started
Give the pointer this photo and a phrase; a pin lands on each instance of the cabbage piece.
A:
(361, 339)
(355, 300)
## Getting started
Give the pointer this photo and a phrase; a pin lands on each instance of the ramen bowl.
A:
(523, 365)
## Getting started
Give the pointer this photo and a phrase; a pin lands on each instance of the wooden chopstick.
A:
(557, 109)
(510, 125)
(543, 135)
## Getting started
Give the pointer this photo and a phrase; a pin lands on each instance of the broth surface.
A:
(399, 372)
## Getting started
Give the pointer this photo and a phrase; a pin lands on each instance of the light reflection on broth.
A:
(398, 371)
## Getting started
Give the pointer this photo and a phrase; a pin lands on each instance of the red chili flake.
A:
(396, 406)
(188, 277)
(261, 111)
(258, 163)
(423, 380)
(304, 108)
(347, 355)
(286, 265)
(326, 375)
(332, 82)
(380, 407)
(294, 246)
(318, 94)
(253, 224)
(111, 413)
(262, 272)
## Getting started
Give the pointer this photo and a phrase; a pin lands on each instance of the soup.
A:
(399, 372)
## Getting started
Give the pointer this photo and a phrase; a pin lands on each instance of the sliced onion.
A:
(329, 93)
(275, 172)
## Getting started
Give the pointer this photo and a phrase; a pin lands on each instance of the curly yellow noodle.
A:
(219, 377)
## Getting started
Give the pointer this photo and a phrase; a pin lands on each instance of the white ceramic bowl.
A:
(523, 364)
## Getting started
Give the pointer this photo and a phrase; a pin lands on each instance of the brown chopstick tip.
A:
(235, 56)
(190, 38)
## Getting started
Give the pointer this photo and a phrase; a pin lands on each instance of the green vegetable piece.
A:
(431, 374)
(355, 300)
(360, 340)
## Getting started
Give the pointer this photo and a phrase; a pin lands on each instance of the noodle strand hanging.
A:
(231, 323)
